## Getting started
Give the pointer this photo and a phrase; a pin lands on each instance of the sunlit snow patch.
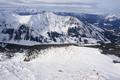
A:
(24, 19)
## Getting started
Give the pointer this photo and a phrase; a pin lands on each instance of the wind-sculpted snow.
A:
(61, 63)
(47, 27)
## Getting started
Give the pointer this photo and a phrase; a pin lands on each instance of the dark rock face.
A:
(22, 33)
(54, 35)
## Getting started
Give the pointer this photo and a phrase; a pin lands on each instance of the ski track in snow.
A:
(65, 63)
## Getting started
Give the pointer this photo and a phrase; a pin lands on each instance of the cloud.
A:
(76, 5)
(37, 3)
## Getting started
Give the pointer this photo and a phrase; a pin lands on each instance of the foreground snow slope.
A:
(65, 63)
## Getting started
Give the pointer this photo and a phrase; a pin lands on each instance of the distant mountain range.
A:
(49, 27)
(29, 27)
(109, 23)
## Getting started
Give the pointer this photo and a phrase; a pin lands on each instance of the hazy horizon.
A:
(89, 6)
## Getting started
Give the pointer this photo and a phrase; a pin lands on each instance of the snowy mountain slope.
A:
(112, 17)
(71, 63)
(110, 23)
(47, 27)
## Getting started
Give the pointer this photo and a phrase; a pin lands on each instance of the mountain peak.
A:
(112, 17)
(48, 27)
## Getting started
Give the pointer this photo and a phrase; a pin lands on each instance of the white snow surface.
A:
(48, 21)
(61, 63)
(24, 19)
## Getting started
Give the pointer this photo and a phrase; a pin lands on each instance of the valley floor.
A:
(61, 63)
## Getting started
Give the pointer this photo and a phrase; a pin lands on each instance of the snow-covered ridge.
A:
(47, 27)
(61, 63)
(112, 17)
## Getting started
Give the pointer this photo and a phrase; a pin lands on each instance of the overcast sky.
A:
(90, 5)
